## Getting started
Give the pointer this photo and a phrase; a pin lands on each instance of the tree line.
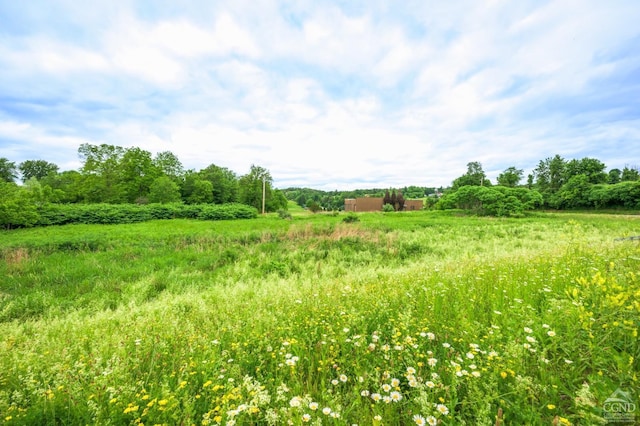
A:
(116, 175)
(315, 199)
(112, 174)
(555, 183)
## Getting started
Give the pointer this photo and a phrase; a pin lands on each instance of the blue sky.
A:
(324, 94)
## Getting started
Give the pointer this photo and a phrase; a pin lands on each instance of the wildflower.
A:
(386, 399)
(411, 370)
(376, 397)
(231, 422)
(413, 382)
(551, 406)
(343, 378)
(446, 345)
(545, 326)
(306, 417)
(475, 374)
(432, 421)
(395, 382)
(568, 361)
(551, 333)
(326, 411)
(470, 355)
(395, 396)
(431, 336)
(528, 330)
(432, 362)
(313, 406)
(365, 393)
(503, 374)
(162, 402)
(334, 382)
(430, 384)
(419, 420)
(296, 401)
(442, 409)
(377, 417)
(386, 387)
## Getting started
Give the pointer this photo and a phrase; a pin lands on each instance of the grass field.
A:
(396, 319)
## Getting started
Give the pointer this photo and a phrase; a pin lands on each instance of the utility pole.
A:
(264, 191)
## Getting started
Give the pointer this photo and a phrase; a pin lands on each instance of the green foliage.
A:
(164, 190)
(474, 176)
(63, 214)
(36, 169)
(493, 201)
(283, 214)
(351, 217)
(17, 207)
(511, 177)
(388, 208)
(313, 207)
(8, 170)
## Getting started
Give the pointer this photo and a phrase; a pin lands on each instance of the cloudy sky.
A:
(324, 94)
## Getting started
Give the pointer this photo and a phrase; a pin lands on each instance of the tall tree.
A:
(510, 177)
(251, 184)
(169, 165)
(475, 176)
(164, 190)
(630, 174)
(7, 170)
(224, 182)
(614, 176)
(400, 201)
(136, 174)
(36, 169)
(100, 170)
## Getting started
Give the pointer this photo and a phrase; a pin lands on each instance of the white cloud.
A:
(329, 95)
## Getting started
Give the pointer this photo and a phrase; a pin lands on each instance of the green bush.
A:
(351, 218)
(63, 214)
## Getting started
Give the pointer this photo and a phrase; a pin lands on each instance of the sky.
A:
(330, 95)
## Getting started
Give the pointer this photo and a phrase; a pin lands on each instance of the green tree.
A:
(575, 193)
(224, 182)
(36, 169)
(100, 170)
(136, 174)
(592, 168)
(7, 170)
(475, 176)
(17, 208)
(168, 164)
(615, 176)
(251, 185)
(67, 185)
(202, 192)
(629, 174)
(510, 177)
(164, 190)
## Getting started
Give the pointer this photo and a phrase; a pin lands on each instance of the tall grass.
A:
(397, 318)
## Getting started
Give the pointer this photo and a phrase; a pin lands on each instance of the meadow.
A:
(392, 319)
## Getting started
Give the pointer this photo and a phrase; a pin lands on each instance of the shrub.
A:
(351, 218)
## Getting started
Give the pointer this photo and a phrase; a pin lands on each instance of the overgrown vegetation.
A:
(63, 214)
(394, 319)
